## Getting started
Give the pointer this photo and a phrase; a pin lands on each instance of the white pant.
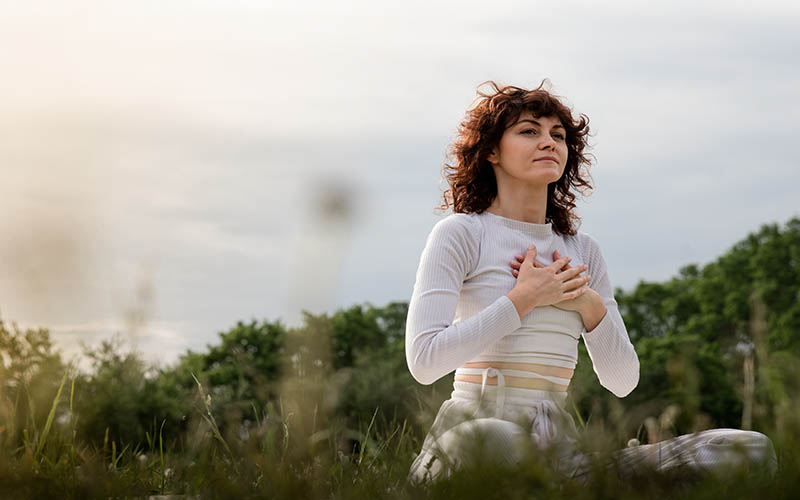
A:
(506, 421)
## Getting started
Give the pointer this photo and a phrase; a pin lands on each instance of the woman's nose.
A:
(547, 143)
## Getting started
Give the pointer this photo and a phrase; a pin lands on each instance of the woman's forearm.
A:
(593, 312)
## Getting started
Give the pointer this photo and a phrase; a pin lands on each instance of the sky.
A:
(170, 168)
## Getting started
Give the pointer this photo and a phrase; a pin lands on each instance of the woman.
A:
(506, 286)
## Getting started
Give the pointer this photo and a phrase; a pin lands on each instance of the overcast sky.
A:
(170, 168)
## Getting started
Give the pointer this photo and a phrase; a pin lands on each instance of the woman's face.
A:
(533, 150)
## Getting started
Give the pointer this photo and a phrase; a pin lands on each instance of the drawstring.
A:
(501, 388)
(544, 429)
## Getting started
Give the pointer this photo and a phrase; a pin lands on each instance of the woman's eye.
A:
(528, 130)
(559, 136)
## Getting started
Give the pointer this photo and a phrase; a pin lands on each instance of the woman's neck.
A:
(524, 204)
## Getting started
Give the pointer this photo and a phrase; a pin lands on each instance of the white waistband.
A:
(514, 395)
(513, 373)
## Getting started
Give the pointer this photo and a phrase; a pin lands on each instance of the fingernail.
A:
(531, 246)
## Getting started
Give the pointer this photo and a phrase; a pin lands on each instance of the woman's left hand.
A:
(580, 303)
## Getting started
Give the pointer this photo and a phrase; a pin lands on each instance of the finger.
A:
(530, 255)
(556, 256)
(515, 273)
(575, 283)
(521, 257)
(572, 272)
(575, 293)
(558, 264)
(515, 264)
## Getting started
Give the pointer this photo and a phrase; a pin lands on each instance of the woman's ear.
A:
(492, 157)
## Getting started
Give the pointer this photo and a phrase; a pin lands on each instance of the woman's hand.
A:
(589, 303)
(578, 303)
(539, 285)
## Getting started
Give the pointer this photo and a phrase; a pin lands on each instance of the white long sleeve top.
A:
(459, 311)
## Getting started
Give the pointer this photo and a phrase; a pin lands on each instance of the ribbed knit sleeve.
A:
(613, 357)
(435, 345)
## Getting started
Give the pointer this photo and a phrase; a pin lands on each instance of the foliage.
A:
(699, 325)
(123, 399)
(30, 372)
(243, 370)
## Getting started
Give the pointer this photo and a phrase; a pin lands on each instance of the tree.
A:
(30, 372)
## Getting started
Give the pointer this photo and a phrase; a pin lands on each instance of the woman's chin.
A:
(542, 179)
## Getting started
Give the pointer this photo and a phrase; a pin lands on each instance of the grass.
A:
(298, 447)
(277, 459)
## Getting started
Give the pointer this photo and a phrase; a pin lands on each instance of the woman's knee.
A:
(760, 449)
(733, 447)
(489, 439)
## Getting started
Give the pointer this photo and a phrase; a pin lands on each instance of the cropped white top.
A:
(459, 311)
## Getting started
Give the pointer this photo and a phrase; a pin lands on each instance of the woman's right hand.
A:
(544, 285)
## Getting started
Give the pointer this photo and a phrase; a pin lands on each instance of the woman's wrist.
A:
(523, 304)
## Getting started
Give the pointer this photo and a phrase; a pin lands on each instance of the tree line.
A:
(719, 346)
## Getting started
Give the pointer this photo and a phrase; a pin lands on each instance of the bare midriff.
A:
(521, 382)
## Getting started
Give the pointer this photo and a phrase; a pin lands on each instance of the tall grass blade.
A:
(212, 422)
(50, 417)
(161, 453)
(366, 437)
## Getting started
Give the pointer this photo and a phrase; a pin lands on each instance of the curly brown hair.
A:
(471, 179)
